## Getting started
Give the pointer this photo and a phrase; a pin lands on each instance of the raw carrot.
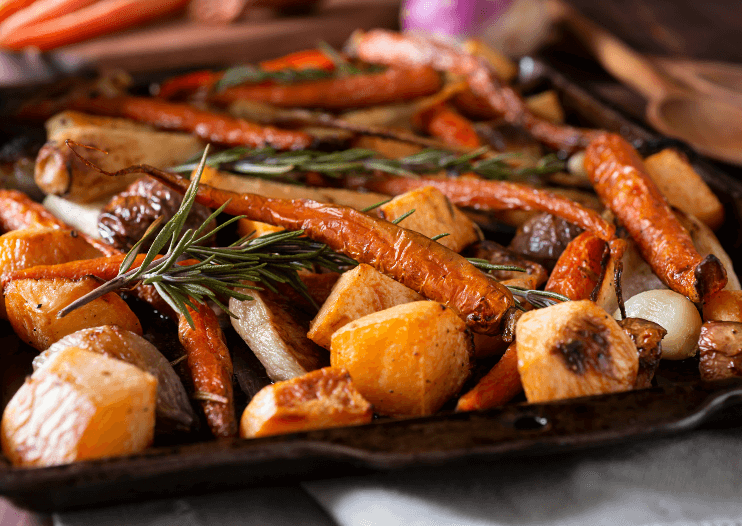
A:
(497, 387)
(210, 126)
(100, 18)
(353, 91)
(448, 125)
(39, 12)
(8, 7)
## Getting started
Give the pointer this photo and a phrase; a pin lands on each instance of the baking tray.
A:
(679, 402)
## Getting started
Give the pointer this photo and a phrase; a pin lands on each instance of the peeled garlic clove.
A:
(675, 313)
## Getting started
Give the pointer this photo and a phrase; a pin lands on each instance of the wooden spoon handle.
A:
(616, 57)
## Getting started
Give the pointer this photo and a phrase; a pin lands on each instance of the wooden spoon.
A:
(711, 125)
(716, 79)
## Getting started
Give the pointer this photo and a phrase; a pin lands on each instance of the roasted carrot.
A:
(353, 91)
(497, 387)
(498, 195)
(191, 82)
(387, 47)
(104, 268)
(8, 7)
(212, 127)
(100, 18)
(621, 182)
(445, 123)
(580, 269)
(411, 258)
(39, 12)
(211, 368)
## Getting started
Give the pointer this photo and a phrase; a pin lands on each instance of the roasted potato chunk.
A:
(317, 400)
(683, 187)
(725, 305)
(358, 292)
(81, 405)
(40, 246)
(406, 360)
(433, 215)
(573, 349)
(32, 306)
(276, 332)
(720, 345)
(547, 106)
(58, 171)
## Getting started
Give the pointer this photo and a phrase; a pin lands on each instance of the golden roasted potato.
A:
(29, 247)
(276, 332)
(320, 399)
(58, 171)
(725, 305)
(573, 349)
(32, 306)
(256, 228)
(433, 215)
(683, 187)
(358, 292)
(547, 106)
(81, 405)
(406, 360)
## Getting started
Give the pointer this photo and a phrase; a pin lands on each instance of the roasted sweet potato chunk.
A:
(406, 360)
(725, 305)
(323, 398)
(80, 405)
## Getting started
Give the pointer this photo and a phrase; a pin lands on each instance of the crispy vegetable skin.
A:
(647, 337)
(81, 405)
(499, 195)
(580, 269)
(32, 306)
(720, 345)
(725, 305)
(412, 259)
(209, 126)
(211, 368)
(573, 349)
(445, 123)
(320, 399)
(497, 387)
(620, 179)
(353, 91)
(387, 47)
(406, 360)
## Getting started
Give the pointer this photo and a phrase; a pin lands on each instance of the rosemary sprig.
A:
(266, 161)
(247, 74)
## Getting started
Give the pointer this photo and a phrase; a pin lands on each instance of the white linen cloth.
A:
(694, 479)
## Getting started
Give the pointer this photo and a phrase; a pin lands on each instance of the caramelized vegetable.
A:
(720, 345)
(387, 47)
(580, 269)
(497, 387)
(352, 91)
(621, 182)
(211, 368)
(320, 399)
(647, 337)
(498, 195)
(212, 127)
(445, 123)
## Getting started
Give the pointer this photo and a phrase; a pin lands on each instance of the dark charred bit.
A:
(720, 346)
(128, 215)
(708, 274)
(599, 281)
(584, 347)
(497, 254)
(619, 292)
(510, 320)
(543, 238)
(647, 337)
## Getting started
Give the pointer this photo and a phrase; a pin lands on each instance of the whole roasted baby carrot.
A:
(497, 387)
(445, 123)
(8, 7)
(37, 12)
(191, 82)
(353, 91)
(387, 47)
(621, 181)
(212, 127)
(211, 367)
(411, 258)
(498, 195)
(580, 269)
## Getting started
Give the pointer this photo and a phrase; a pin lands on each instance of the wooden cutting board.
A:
(184, 44)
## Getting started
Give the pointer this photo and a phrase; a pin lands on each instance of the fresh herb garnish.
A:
(247, 74)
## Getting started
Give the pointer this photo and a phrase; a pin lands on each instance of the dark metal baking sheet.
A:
(680, 402)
